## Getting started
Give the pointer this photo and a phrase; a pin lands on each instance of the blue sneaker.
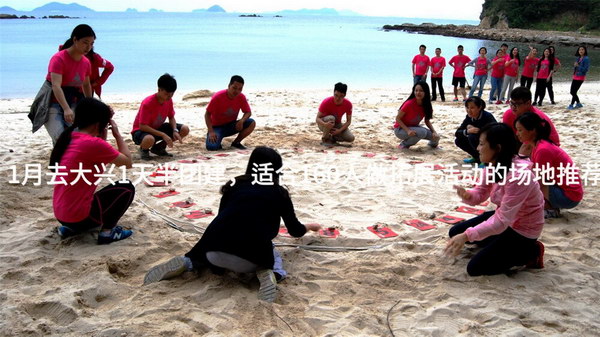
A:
(116, 234)
(579, 105)
(481, 165)
(570, 107)
(470, 160)
(65, 232)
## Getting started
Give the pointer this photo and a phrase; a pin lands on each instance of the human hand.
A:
(315, 227)
(473, 130)
(455, 244)
(69, 116)
(462, 192)
(411, 133)
(212, 136)
(435, 137)
(167, 140)
(335, 131)
(239, 125)
(177, 136)
(114, 128)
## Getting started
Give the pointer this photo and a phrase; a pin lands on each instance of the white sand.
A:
(75, 287)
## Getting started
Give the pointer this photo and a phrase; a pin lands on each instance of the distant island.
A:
(54, 7)
(212, 9)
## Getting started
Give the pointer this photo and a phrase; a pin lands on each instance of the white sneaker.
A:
(268, 285)
(174, 267)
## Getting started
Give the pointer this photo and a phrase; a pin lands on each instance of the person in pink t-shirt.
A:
(150, 131)
(529, 67)
(545, 68)
(96, 79)
(221, 116)
(459, 62)
(420, 65)
(81, 153)
(497, 76)
(562, 188)
(556, 68)
(329, 117)
(438, 63)
(69, 73)
(511, 72)
(509, 235)
(482, 66)
(582, 65)
(416, 108)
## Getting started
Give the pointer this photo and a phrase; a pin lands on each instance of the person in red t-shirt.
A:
(150, 131)
(557, 66)
(80, 154)
(438, 63)
(459, 62)
(562, 188)
(221, 116)
(497, 76)
(329, 117)
(545, 68)
(416, 108)
(482, 66)
(420, 65)
(97, 80)
(529, 67)
(511, 72)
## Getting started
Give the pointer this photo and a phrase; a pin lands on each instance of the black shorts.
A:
(138, 135)
(458, 80)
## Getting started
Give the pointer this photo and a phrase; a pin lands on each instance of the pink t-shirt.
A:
(498, 68)
(413, 113)
(72, 203)
(436, 64)
(421, 63)
(481, 66)
(73, 72)
(512, 69)
(509, 118)
(329, 108)
(152, 113)
(459, 62)
(546, 154)
(544, 71)
(520, 205)
(225, 110)
(530, 66)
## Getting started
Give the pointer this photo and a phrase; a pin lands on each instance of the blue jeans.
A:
(478, 79)
(558, 199)
(56, 123)
(496, 88)
(422, 133)
(418, 78)
(223, 131)
(241, 265)
(507, 83)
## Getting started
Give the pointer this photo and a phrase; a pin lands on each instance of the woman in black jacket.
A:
(467, 135)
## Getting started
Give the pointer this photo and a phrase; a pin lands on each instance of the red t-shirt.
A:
(73, 72)
(481, 66)
(413, 113)
(546, 154)
(421, 63)
(498, 68)
(329, 108)
(544, 71)
(225, 110)
(459, 62)
(152, 113)
(436, 64)
(72, 203)
(530, 66)
(512, 69)
(509, 118)
(97, 63)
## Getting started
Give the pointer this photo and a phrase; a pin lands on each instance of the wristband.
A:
(175, 130)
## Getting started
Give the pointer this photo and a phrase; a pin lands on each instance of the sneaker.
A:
(579, 105)
(470, 160)
(507, 102)
(552, 102)
(534, 103)
(455, 99)
(570, 107)
(551, 214)
(403, 147)
(116, 234)
(481, 165)
(164, 271)
(238, 146)
(538, 262)
(145, 154)
(540, 103)
(498, 102)
(160, 151)
(65, 232)
(328, 143)
(268, 285)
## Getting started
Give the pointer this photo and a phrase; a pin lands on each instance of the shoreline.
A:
(504, 35)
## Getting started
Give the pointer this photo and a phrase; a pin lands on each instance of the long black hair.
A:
(89, 111)
(426, 104)
(502, 138)
(79, 32)
(515, 56)
(532, 121)
(550, 58)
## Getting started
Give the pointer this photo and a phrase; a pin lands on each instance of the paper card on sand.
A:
(485, 203)
(243, 152)
(382, 231)
(222, 155)
(151, 183)
(369, 154)
(188, 161)
(341, 151)
(182, 204)
(196, 215)
(438, 167)
(157, 174)
(449, 219)
(203, 158)
(391, 158)
(418, 224)
(165, 194)
(284, 232)
(330, 233)
(415, 162)
(469, 210)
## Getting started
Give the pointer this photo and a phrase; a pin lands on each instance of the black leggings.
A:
(500, 252)
(550, 90)
(526, 82)
(437, 80)
(108, 206)
(575, 85)
(540, 90)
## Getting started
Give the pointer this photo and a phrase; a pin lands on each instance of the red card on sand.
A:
(382, 231)
(470, 210)
(485, 203)
(182, 204)
(196, 214)
(369, 154)
(341, 151)
(449, 219)
(203, 158)
(418, 224)
(415, 162)
(438, 167)
(330, 233)
(391, 158)
(156, 183)
(222, 155)
(165, 194)
(188, 161)
(243, 152)
(157, 174)
(284, 232)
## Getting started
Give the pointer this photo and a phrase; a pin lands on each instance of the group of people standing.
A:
(504, 68)
(240, 237)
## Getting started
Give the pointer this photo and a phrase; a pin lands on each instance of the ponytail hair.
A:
(427, 108)
(79, 32)
(532, 121)
(89, 111)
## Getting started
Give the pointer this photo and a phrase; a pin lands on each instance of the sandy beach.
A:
(354, 285)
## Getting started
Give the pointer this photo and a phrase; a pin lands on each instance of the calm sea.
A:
(203, 50)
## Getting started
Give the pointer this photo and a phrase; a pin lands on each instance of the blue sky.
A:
(439, 9)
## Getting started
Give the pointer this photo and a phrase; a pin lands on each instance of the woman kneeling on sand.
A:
(509, 235)
(239, 238)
